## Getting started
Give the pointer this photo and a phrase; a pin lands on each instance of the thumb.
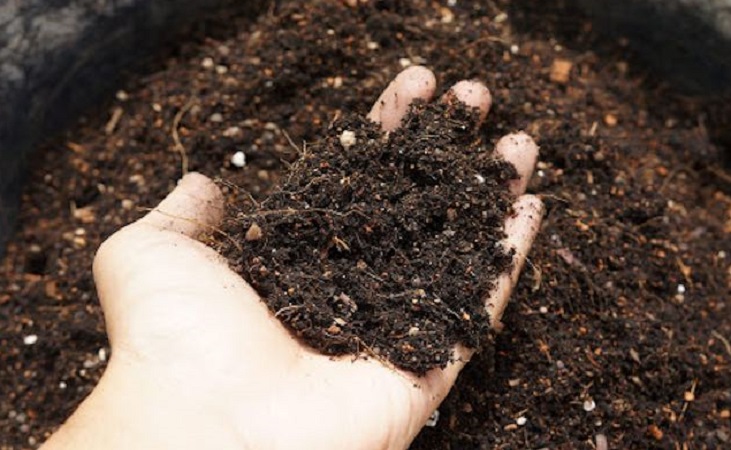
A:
(158, 254)
(195, 206)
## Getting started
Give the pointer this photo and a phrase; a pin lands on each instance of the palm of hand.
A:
(187, 324)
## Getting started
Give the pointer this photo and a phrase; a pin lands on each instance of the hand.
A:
(198, 360)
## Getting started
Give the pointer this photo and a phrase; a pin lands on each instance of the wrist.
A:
(132, 407)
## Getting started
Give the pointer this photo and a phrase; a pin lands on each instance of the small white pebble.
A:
(404, 62)
(372, 45)
(232, 132)
(543, 309)
(500, 18)
(348, 139)
(62, 385)
(239, 159)
(30, 339)
(216, 117)
(433, 419)
(208, 63)
(521, 421)
(122, 96)
(221, 69)
(681, 289)
(589, 405)
(514, 49)
(452, 2)
(722, 254)
(102, 354)
(480, 178)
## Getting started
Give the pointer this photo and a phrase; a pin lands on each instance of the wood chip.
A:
(561, 71)
(254, 233)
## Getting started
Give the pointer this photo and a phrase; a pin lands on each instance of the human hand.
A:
(199, 361)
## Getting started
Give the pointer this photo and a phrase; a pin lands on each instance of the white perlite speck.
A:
(239, 159)
(433, 419)
(348, 139)
(30, 339)
(521, 421)
(589, 405)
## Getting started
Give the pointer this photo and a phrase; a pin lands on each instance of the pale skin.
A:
(198, 361)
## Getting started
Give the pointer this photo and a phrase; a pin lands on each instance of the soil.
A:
(619, 328)
(383, 243)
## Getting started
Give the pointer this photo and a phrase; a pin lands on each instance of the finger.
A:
(473, 94)
(416, 82)
(194, 206)
(522, 151)
(521, 230)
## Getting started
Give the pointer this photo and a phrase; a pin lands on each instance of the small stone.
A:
(611, 120)
(348, 139)
(654, 431)
(238, 159)
(102, 354)
(543, 310)
(207, 63)
(413, 331)
(337, 82)
(62, 385)
(515, 382)
(521, 421)
(404, 62)
(254, 233)
(724, 414)
(372, 45)
(514, 49)
(689, 396)
(681, 289)
(127, 204)
(30, 339)
(480, 179)
(216, 118)
(221, 69)
(589, 405)
(122, 96)
(500, 18)
(561, 71)
(231, 132)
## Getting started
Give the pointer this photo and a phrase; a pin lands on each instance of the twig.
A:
(113, 121)
(720, 337)
(287, 309)
(176, 137)
(291, 142)
(197, 222)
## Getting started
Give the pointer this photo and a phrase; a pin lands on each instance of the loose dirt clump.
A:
(384, 243)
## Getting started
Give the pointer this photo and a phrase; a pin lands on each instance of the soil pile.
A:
(384, 244)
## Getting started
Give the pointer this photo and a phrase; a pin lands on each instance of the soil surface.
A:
(620, 326)
(383, 244)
